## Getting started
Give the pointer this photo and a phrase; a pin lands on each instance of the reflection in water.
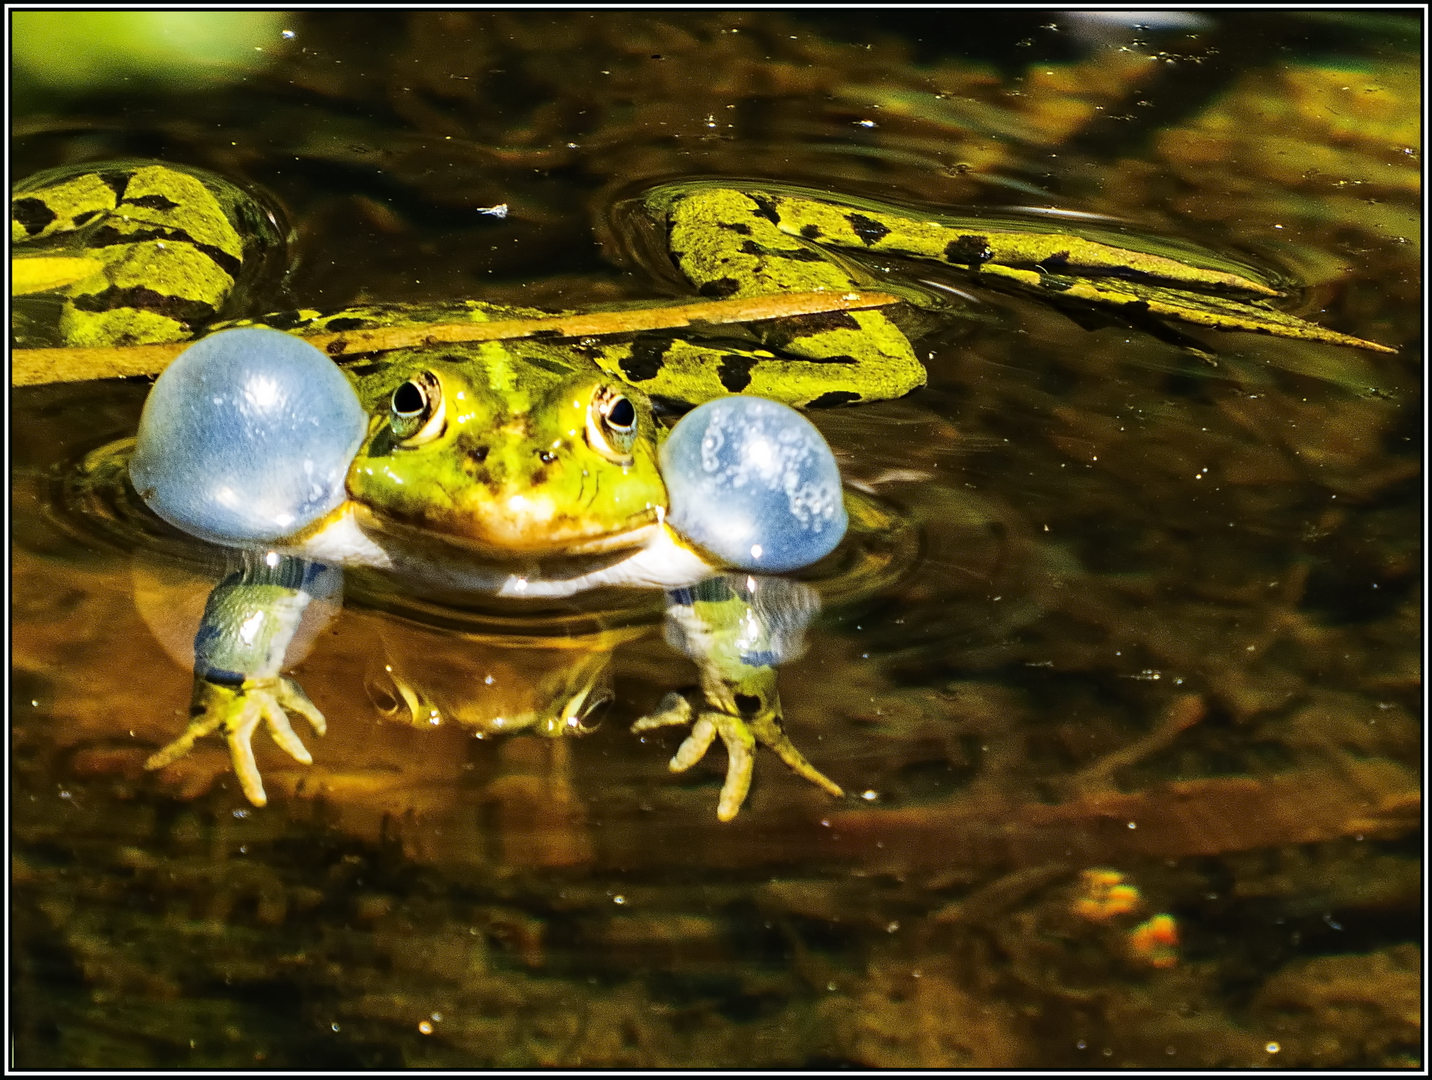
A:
(263, 610)
(1153, 678)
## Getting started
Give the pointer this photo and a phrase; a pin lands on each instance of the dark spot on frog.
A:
(734, 371)
(152, 202)
(869, 230)
(968, 250)
(350, 360)
(107, 235)
(766, 208)
(360, 370)
(283, 320)
(189, 312)
(720, 288)
(748, 704)
(337, 326)
(736, 227)
(782, 333)
(1058, 259)
(381, 445)
(32, 214)
(665, 405)
(556, 367)
(833, 398)
(537, 479)
(117, 182)
(810, 232)
(798, 254)
(84, 218)
(645, 359)
(335, 348)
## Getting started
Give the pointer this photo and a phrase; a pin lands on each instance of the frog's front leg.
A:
(737, 628)
(247, 636)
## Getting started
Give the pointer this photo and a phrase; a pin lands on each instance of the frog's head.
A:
(507, 453)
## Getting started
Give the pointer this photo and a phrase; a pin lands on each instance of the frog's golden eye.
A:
(611, 425)
(416, 412)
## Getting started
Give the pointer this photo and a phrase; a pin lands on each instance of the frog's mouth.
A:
(517, 528)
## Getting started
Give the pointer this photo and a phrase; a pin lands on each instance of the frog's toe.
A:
(771, 734)
(740, 756)
(291, 697)
(740, 762)
(288, 695)
(282, 733)
(703, 734)
(672, 711)
(197, 729)
(239, 734)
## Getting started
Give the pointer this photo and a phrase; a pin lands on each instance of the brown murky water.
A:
(1152, 673)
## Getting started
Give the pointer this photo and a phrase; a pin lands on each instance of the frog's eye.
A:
(417, 412)
(611, 425)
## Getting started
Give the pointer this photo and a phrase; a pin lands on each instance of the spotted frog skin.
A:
(529, 468)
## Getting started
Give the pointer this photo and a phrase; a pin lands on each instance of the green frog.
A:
(530, 468)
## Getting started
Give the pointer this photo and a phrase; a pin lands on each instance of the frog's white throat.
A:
(659, 559)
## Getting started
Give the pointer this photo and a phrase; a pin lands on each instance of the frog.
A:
(530, 469)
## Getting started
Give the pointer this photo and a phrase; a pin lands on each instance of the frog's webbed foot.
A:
(741, 730)
(235, 711)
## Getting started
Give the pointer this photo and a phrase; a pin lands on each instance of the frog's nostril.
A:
(547, 457)
(478, 454)
(748, 704)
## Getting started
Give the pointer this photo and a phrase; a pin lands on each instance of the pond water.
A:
(1128, 716)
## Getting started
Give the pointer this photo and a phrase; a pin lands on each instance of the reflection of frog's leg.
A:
(737, 628)
(239, 652)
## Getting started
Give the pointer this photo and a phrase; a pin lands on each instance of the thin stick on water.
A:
(31, 367)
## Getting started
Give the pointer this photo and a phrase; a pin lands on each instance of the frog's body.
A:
(529, 468)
